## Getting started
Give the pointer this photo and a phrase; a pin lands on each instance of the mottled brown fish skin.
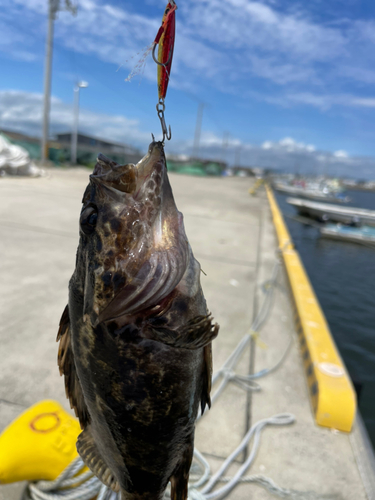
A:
(135, 339)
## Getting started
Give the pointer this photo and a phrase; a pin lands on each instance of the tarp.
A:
(15, 160)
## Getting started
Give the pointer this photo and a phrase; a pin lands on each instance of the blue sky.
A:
(291, 82)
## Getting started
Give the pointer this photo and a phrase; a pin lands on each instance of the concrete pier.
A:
(233, 237)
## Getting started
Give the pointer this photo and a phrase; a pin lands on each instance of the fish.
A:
(135, 340)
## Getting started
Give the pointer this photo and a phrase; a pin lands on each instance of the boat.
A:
(326, 212)
(362, 234)
(313, 193)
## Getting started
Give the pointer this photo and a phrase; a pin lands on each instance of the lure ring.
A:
(160, 108)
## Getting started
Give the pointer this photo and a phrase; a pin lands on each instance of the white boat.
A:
(311, 193)
(364, 234)
(327, 212)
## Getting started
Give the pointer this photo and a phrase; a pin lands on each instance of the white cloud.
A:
(209, 139)
(340, 154)
(287, 154)
(265, 42)
(367, 102)
(289, 99)
(37, 5)
(219, 38)
(22, 111)
(321, 101)
(267, 145)
(289, 145)
(232, 45)
(246, 23)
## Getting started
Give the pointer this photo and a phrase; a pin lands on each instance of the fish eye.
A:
(88, 220)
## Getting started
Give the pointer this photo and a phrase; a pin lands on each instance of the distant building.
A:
(86, 142)
(17, 136)
(247, 171)
(89, 147)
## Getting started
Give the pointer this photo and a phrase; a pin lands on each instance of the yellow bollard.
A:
(39, 444)
(256, 186)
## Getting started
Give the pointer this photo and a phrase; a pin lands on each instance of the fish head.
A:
(133, 249)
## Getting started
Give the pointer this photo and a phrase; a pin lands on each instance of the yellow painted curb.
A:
(332, 396)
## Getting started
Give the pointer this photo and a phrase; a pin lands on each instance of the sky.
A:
(285, 84)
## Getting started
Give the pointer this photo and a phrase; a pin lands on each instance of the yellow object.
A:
(257, 184)
(259, 342)
(39, 444)
(332, 395)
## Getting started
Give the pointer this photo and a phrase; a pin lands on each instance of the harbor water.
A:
(343, 277)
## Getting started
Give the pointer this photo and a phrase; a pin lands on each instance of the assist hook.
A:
(158, 62)
(160, 108)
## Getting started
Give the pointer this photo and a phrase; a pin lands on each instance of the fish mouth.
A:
(129, 178)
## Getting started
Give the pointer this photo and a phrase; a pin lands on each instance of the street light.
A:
(73, 156)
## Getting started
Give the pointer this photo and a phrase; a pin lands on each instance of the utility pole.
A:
(224, 146)
(73, 155)
(198, 128)
(53, 8)
(237, 156)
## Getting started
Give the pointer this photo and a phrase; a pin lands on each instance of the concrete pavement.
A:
(232, 236)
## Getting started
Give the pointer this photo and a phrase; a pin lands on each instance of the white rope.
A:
(254, 432)
(226, 372)
(70, 485)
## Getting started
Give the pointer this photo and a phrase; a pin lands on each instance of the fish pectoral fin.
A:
(197, 333)
(90, 454)
(65, 361)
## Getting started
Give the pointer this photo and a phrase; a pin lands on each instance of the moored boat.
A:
(313, 192)
(327, 212)
(362, 234)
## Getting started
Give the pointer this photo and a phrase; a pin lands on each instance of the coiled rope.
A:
(73, 484)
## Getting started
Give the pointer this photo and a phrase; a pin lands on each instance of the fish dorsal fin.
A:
(65, 361)
(90, 454)
(197, 333)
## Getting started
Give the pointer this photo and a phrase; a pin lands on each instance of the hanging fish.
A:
(135, 338)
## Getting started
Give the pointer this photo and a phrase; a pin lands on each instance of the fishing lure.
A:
(165, 39)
